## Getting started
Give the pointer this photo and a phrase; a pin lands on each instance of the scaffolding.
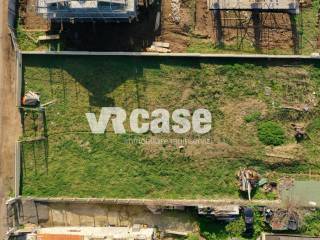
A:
(255, 23)
(87, 10)
(284, 5)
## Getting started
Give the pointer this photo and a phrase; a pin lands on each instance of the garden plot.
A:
(62, 157)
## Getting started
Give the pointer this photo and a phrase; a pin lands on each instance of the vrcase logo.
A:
(141, 121)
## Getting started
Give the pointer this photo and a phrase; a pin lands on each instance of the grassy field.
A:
(74, 162)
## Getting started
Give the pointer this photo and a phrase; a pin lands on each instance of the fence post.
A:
(17, 169)
(19, 78)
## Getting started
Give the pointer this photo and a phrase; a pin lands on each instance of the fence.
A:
(12, 14)
(12, 17)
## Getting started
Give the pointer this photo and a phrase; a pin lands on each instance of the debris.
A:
(300, 134)
(158, 49)
(269, 187)
(248, 179)
(31, 99)
(262, 182)
(49, 103)
(175, 11)
(281, 219)
(181, 148)
(267, 91)
(224, 213)
(302, 108)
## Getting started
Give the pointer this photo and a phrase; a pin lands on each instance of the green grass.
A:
(28, 41)
(74, 162)
(310, 29)
(252, 117)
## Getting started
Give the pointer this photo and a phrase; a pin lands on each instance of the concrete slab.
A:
(302, 193)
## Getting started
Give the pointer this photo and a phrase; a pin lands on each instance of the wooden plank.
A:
(48, 37)
(161, 44)
(158, 49)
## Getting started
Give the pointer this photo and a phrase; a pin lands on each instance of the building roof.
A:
(87, 9)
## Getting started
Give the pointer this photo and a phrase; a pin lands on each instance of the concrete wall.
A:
(49, 214)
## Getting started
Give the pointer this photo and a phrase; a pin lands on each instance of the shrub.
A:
(192, 237)
(314, 126)
(236, 228)
(210, 236)
(311, 224)
(252, 117)
(271, 133)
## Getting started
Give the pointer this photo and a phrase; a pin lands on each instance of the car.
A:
(249, 220)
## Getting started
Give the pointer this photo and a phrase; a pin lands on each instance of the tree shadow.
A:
(101, 75)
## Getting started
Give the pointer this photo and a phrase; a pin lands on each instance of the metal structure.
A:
(255, 22)
(88, 10)
(285, 5)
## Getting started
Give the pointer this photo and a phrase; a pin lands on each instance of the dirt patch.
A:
(187, 25)
(285, 153)
(9, 117)
(29, 18)
(246, 30)
(176, 33)
(203, 20)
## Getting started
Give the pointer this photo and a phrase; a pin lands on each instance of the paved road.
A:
(9, 117)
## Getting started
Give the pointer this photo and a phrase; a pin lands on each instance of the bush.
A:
(271, 133)
(252, 117)
(236, 228)
(192, 237)
(311, 224)
(210, 236)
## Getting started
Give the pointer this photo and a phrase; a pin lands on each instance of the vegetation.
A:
(252, 117)
(214, 230)
(311, 224)
(236, 228)
(28, 41)
(74, 162)
(309, 31)
(271, 133)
